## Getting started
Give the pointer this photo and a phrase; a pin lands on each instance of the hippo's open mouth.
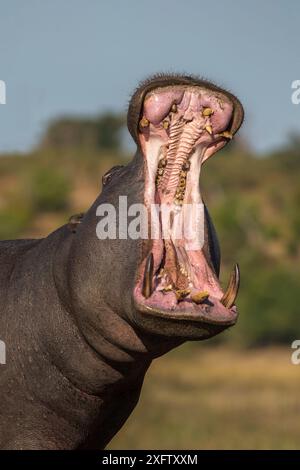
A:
(180, 127)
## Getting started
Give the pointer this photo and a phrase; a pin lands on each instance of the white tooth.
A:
(153, 147)
(208, 128)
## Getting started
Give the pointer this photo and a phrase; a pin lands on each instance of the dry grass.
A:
(205, 398)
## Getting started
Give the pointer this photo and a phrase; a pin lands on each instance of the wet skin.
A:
(83, 318)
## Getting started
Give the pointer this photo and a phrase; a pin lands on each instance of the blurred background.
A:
(69, 68)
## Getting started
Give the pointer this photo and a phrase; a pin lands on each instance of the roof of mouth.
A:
(163, 80)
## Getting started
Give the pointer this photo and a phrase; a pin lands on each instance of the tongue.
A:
(175, 270)
(188, 270)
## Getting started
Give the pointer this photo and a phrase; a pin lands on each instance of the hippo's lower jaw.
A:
(180, 128)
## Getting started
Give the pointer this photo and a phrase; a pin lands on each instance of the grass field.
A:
(216, 398)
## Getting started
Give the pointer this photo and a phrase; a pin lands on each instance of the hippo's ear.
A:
(110, 173)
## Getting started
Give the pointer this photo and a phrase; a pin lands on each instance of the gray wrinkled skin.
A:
(76, 357)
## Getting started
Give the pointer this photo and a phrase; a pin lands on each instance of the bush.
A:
(13, 221)
(269, 305)
(49, 190)
(103, 132)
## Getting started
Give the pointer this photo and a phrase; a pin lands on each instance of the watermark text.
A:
(2, 92)
(295, 97)
(295, 357)
(166, 221)
(2, 352)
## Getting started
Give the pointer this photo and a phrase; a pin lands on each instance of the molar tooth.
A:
(178, 201)
(166, 124)
(207, 112)
(208, 128)
(174, 108)
(160, 170)
(162, 163)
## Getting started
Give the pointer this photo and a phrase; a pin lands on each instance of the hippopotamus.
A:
(86, 310)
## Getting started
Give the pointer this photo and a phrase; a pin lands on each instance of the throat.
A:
(179, 130)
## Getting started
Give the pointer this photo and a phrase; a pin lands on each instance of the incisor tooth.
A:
(200, 297)
(167, 288)
(182, 293)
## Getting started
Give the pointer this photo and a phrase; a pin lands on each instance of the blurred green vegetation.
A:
(101, 132)
(49, 189)
(254, 202)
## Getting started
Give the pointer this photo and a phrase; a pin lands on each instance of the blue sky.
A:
(86, 56)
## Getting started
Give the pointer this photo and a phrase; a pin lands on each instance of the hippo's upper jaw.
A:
(181, 123)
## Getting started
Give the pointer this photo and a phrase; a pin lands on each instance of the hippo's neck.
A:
(104, 361)
(109, 355)
(112, 349)
(109, 352)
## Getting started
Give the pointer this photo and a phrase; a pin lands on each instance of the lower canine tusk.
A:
(231, 293)
(148, 275)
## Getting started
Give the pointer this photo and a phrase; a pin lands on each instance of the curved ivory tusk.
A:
(231, 293)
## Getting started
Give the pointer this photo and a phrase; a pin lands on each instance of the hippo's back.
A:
(10, 252)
